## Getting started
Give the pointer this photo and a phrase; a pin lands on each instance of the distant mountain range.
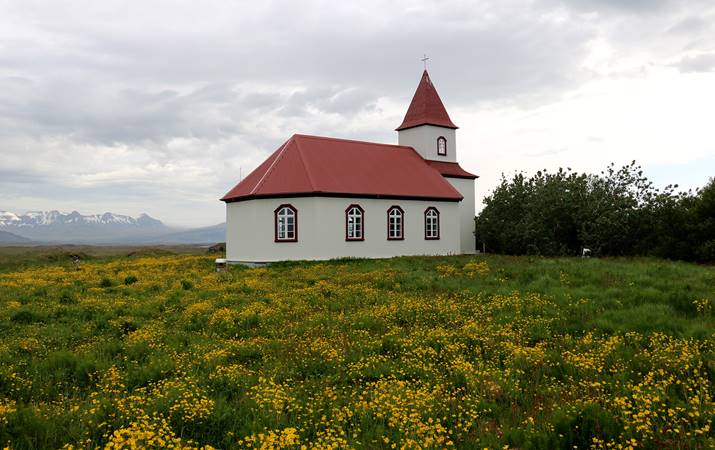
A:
(107, 228)
(11, 238)
(215, 233)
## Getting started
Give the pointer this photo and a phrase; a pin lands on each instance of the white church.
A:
(320, 198)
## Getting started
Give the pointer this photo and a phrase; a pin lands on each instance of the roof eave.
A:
(340, 195)
(407, 127)
(466, 177)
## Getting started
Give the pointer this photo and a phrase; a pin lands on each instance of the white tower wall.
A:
(423, 138)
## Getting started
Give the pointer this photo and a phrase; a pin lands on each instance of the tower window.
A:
(354, 223)
(286, 223)
(395, 217)
(431, 223)
(442, 146)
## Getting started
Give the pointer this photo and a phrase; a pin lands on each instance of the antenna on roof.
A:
(424, 60)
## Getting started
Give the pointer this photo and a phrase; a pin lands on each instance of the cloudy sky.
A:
(157, 106)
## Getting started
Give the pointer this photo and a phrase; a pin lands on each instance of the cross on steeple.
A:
(424, 60)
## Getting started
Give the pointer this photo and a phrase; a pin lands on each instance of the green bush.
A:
(706, 251)
(614, 213)
(131, 279)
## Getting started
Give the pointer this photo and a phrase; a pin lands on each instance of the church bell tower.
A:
(428, 129)
(427, 126)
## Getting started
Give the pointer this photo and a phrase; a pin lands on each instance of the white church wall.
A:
(465, 186)
(321, 230)
(424, 139)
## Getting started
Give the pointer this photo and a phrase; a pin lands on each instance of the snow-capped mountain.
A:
(107, 228)
(46, 218)
(6, 217)
(55, 226)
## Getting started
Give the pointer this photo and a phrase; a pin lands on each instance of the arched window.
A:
(431, 223)
(354, 223)
(286, 223)
(442, 146)
(395, 216)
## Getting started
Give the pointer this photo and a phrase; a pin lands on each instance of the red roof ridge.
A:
(279, 152)
(334, 139)
(302, 160)
(329, 138)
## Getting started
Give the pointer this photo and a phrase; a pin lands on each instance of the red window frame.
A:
(362, 223)
(402, 223)
(432, 238)
(295, 223)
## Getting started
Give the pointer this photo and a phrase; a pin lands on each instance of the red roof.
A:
(426, 107)
(450, 169)
(313, 165)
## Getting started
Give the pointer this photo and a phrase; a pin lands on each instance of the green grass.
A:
(636, 294)
(460, 351)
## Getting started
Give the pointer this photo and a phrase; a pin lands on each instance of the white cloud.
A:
(661, 118)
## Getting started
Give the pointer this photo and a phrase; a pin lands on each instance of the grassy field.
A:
(464, 352)
(19, 257)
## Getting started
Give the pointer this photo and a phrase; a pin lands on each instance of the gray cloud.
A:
(138, 105)
(619, 5)
(690, 24)
(699, 63)
(111, 84)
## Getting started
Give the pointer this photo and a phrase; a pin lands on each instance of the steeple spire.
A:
(426, 107)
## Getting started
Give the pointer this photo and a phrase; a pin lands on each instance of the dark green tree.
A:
(617, 212)
(704, 211)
